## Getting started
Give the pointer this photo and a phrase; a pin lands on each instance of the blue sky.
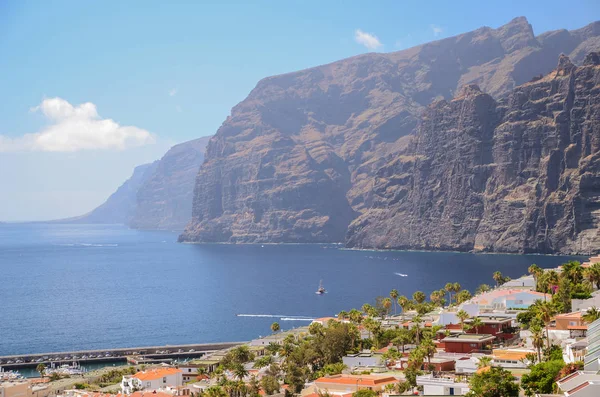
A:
(175, 70)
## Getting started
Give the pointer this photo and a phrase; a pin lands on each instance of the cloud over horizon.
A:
(437, 30)
(75, 128)
(369, 40)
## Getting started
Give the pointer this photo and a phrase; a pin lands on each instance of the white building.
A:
(580, 384)
(152, 379)
(441, 386)
(363, 359)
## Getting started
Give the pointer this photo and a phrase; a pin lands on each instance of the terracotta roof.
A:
(156, 373)
(149, 394)
(360, 380)
(510, 355)
(569, 315)
(577, 327)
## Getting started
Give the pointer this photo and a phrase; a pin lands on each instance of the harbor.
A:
(135, 355)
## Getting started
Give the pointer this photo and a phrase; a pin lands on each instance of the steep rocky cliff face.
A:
(164, 200)
(120, 207)
(518, 175)
(157, 196)
(296, 160)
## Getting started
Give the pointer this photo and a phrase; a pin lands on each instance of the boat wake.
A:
(401, 274)
(86, 245)
(281, 317)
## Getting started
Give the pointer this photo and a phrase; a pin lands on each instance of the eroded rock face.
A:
(296, 160)
(519, 175)
(164, 199)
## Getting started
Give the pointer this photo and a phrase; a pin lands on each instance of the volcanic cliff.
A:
(302, 156)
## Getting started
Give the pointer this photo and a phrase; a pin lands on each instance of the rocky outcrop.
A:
(518, 175)
(164, 200)
(157, 196)
(120, 207)
(296, 160)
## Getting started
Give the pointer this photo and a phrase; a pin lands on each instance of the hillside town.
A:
(538, 335)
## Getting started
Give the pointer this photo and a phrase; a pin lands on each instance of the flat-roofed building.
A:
(592, 356)
(351, 383)
(467, 343)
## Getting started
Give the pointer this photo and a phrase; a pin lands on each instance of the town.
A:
(535, 335)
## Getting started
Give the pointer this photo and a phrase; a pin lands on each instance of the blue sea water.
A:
(71, 287)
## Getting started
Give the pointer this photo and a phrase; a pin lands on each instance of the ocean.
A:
(74, 287)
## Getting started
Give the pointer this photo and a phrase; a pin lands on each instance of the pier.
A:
(148, 354)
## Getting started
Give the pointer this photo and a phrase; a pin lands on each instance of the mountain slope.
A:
(296, 160)
(519, 175)
(120, 206)
(164, 200)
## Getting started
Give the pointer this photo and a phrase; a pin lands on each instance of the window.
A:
(572, 322)
(473, 344)
(165, 379)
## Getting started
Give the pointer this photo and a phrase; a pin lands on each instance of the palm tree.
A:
(537, 338)
(573, 271)
(419, 296)
(535, 271)
(449, 288)
(456, 289)
(240, 371)
(215, 391)
(429, 349)
(403, 302)
(545, 311)
(476, 323)
(592, 274)
(342, 315)
(417, 328)
(484, 361)
(462, 316)
(394, 295)
(553, 280)
(497, 276)
(591, 315)
(435, 297)
(201, 371)
(403, 337)
(387, 304)
(483, 288)
(355, 316)
(275, 327)
(41, 368)
(462, 296)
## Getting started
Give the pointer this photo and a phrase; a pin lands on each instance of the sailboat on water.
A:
(321, 289)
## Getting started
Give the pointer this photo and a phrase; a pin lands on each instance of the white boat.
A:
(321, 289)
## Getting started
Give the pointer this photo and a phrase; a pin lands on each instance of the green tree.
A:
(215, 391)
(494, 382)
(541, 377)
(364, 393)
(592, 314)
(404, 303)
(462, 316)
(419, 296)
(394, 295)
(263, 361)
(387, 305)
(342, 315)
(462, 296)
(535, 271)
(476, 323)
(537, 338)
(592, 274)
(483, 288)
(573, 271)
(484, 361)
(449, 288)
(269, 384)
(544, 311)
(41, 368)
(275, 327)
(498, 278)
(239, 371)
(563, 295)
(273, 348)
(403, 337)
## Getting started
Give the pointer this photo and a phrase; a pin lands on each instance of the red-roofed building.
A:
(152, 379)
(344, 384)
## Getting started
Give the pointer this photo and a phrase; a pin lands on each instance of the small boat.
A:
(321, 290)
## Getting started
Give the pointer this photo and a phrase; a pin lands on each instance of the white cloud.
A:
(437, 30)
(74, 128)
(369, 40)
(173, 92)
